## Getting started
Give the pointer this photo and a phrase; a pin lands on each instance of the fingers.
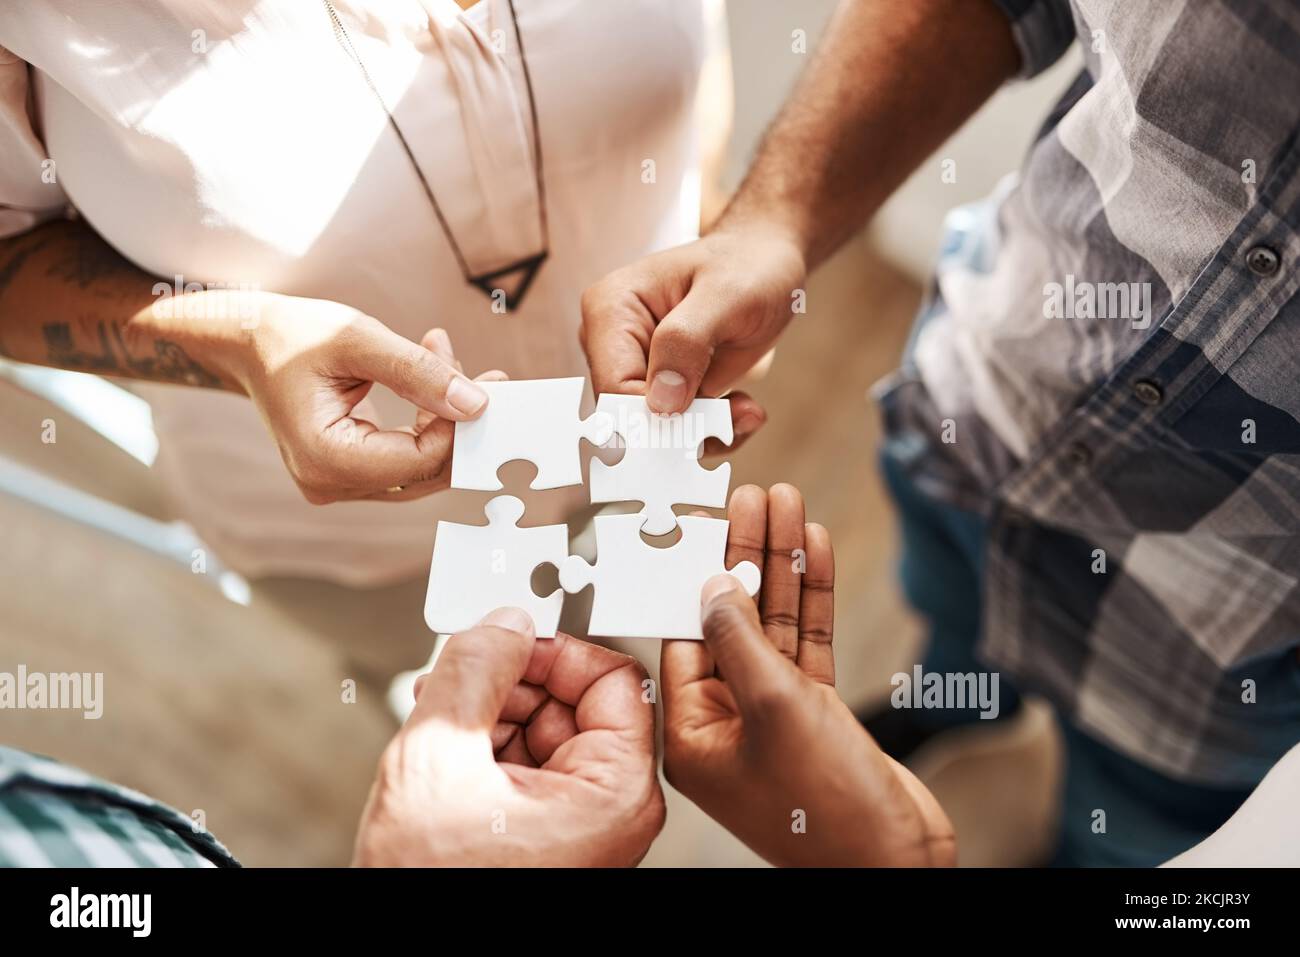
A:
(747, 536)
(615, 334)
(360, 461)
(604, 688)
(755, 672)
(680, 664)
(417, 374)
(510, 745)
(565, 686)
(816, 656)
(571, 686)
(684, 662)
(439, 343)
(354, 459)
(555, 723)
(681, 350)
(644, 329)
(783, 565)
(747, 417)
(475, 674)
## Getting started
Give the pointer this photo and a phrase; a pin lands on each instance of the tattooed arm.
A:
(67, 299)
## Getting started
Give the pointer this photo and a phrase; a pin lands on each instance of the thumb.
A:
(419, 375)
(681, 350)
(754, 670)
(476, 672)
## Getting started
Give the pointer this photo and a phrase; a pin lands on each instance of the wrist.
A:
(772, 226)
(218, 326)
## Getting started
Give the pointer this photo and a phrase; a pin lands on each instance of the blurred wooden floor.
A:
(237, 711)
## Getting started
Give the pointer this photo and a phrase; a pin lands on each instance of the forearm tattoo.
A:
(77, 256)
(110, 356)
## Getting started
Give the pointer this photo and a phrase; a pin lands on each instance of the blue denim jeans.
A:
(1148, 817)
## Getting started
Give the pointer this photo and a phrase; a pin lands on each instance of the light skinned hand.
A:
(520, 752)
(754, 732)
(693, 320)
(307, 364)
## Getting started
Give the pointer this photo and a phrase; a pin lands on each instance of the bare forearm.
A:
(69, 300)
(889, 83)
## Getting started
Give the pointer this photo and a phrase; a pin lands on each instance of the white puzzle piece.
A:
(662, 464)
(533, 419)
(648, 592)
(479, 568)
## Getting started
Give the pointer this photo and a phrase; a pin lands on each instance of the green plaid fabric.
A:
(52, 815)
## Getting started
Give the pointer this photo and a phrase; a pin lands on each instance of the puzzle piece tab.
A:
(532, 419)
(478, 568)
(661, 466)
(648, 592)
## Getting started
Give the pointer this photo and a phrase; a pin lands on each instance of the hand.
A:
(754, 732)
(692, 320)
(306, 366)
(518, 752)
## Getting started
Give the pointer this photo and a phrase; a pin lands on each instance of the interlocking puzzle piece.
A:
(648, 592)
(478, 568)
(533, 419)
(662, 464)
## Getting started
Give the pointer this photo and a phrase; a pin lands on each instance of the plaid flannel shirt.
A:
(52, 815)
(1140, 473)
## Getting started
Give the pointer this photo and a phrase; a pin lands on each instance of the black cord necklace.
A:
(529, 265)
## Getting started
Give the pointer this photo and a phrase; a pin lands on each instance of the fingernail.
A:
(746, 424)
(716, 587)
(667, 392)
(465, 397)
(511, 619)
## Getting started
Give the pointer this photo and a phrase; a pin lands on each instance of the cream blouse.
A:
(238, 143)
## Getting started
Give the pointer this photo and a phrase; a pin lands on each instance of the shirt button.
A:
(1078, 455)
(1148, 392)
(1263, 260)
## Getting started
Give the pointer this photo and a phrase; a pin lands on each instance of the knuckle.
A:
(734, 285)
(312, 473)
(633, 667)
(682, 336)
(311, 477)
(782, 619)
(818, 634)
(411, 365)
(354, 330)
(436, 437)
(317, 496)
(593, 298)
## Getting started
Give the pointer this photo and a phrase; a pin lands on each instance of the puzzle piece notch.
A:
(531, 419)
(661, 467)
(648, 592)
(479, 568)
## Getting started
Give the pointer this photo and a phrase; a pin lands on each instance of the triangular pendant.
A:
(520, 274)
